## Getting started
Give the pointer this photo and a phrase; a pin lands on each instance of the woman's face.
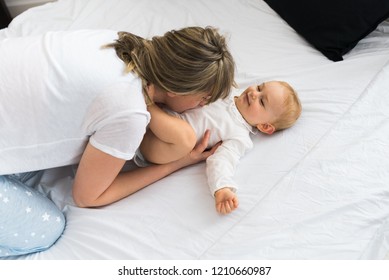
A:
(180, 103)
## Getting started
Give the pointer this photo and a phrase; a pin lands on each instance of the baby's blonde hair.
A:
(292, 108)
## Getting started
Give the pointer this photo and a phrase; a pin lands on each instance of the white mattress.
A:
(319, 190)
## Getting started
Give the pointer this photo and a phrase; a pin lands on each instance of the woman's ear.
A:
(266, 128)
(171, 94)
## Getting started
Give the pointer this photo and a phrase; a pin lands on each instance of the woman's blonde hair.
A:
(186, 61)
(292, 109)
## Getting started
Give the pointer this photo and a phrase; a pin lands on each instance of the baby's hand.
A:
(226, 201)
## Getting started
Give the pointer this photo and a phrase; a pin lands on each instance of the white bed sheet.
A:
(319, 190)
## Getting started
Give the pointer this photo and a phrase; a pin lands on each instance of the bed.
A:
(319, 190)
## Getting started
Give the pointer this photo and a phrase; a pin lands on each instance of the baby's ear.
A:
(266, 128)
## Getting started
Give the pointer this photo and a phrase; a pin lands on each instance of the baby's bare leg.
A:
(168, 138)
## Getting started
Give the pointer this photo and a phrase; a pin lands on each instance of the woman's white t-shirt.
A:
(60, 90)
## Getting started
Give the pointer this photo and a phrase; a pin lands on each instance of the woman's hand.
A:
(199, 152)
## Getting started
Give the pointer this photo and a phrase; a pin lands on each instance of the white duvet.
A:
(319, 190)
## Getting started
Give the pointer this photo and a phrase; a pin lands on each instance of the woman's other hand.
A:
(199, 152)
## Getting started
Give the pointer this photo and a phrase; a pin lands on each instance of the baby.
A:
(268, 107)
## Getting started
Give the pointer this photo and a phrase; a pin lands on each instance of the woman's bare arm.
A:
(99, 182)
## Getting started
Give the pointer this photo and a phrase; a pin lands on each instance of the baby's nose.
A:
(254, 94)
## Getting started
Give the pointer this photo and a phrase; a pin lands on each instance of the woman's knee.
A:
(31, 241)
(29, 222)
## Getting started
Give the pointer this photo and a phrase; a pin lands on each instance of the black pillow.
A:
(334, 27)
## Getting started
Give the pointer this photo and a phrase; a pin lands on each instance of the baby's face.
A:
(262, 104)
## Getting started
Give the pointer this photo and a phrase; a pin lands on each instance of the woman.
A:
(68, 100)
